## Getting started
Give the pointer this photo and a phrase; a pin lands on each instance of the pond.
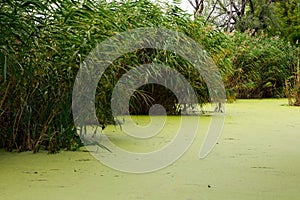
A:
(257, 157)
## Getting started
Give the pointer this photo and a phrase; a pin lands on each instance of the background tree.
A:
(289, 14)
(238, 15)
(198, 6)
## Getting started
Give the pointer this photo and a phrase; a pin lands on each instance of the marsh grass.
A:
(293, 85)
(43, 44)
(261, 65)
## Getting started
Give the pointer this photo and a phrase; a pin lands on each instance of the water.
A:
(257, 157)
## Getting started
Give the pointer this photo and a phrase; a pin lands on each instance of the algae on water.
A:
(257, 157)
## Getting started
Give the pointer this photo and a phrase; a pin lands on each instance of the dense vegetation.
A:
(43, 43)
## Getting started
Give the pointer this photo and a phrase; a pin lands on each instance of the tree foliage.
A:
(289, 13)
(243, 15)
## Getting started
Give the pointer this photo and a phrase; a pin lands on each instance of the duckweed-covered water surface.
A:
(257, 157)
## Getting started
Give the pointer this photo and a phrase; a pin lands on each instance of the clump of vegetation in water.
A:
(293, 84)
(261, 65)
(43, 45)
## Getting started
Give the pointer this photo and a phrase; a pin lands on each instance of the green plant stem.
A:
(4, 68)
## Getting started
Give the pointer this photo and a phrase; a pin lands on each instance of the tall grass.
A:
(43, 43)
(261, 65)
(42, 46)
(293, 82)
